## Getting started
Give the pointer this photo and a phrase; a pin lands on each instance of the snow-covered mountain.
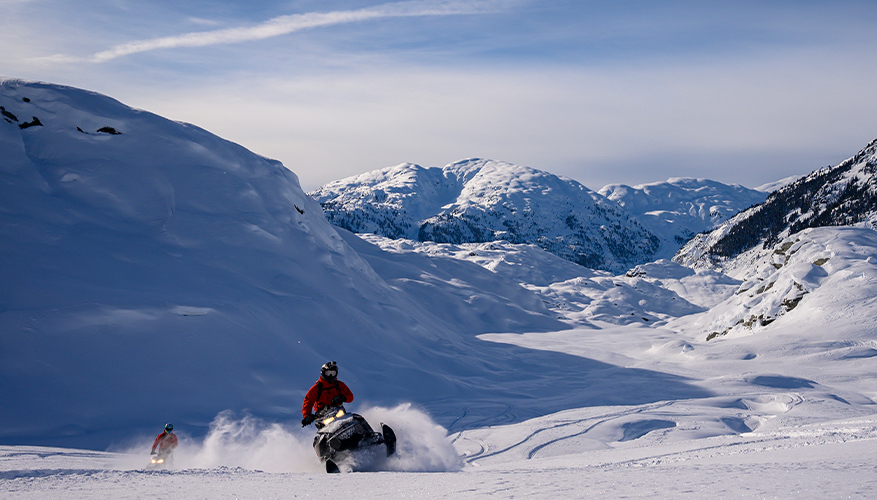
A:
(842, 195)
(477, 201)
(153, 271)
(679, 208)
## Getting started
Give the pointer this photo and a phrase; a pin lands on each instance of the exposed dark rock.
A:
(716, 334)
(109, 130)
(8, 115)
(34, 123)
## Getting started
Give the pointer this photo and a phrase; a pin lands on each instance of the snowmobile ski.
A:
(389, 438)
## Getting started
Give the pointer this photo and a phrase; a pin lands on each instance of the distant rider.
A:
(166, 441)
(327, 391)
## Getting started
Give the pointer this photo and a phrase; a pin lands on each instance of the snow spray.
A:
(252, 443)
(421, 444)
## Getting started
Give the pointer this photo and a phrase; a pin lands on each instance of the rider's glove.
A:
(337, 400)
(307, 420)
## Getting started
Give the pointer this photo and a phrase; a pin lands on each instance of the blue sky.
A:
(603, 92)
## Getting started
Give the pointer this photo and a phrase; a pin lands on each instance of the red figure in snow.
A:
(166, 441)
(327, 391)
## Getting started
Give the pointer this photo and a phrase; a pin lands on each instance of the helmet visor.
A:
(330, 373)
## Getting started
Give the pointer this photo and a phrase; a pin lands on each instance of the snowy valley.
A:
(154, 272)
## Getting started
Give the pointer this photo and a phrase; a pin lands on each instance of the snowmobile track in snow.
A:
(601, 419)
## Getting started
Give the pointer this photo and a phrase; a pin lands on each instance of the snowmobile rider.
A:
(166, 441)
(327, 391)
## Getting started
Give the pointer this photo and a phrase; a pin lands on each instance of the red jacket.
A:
(322, 393)
(166, 441)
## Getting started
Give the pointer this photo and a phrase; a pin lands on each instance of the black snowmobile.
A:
(346, 439)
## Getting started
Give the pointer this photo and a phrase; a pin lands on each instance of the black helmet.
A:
(169, 427)
(329, 371)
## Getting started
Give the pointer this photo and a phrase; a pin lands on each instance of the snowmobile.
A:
(161, 460)
(347, 439)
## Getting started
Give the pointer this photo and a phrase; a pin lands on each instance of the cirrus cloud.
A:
(283, 25)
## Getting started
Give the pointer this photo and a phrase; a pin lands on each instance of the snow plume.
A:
(232, 440)
(421, 446)
(252, 443)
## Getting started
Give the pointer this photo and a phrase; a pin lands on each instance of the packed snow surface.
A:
(828, 460)
(154, 272)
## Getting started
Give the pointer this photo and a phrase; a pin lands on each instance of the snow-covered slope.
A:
(649, 294)
(153, 271)
(679, 208)
(842, 195)
(477, 201)
(832, 270)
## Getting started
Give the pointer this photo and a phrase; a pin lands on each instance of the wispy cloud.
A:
(284, 25)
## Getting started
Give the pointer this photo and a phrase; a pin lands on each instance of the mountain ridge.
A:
(681, 207)
(480, 200)
(840, 195)
(487, 200)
